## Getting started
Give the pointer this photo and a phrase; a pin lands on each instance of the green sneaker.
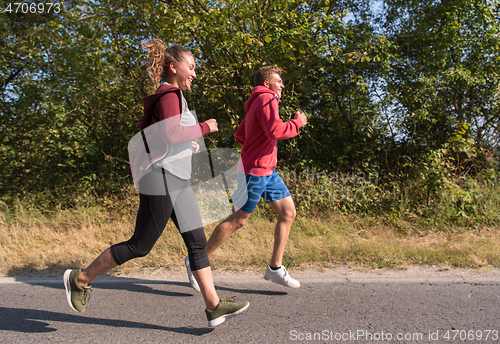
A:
(76, 294)
(226, 309)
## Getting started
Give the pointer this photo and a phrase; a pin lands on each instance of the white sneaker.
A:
(192, 280)
(281, 276)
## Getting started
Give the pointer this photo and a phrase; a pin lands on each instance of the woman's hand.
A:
(212, 123)
(196, 147)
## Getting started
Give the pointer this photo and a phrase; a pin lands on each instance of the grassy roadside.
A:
(32, 241)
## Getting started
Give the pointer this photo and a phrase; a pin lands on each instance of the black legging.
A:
(158, 203)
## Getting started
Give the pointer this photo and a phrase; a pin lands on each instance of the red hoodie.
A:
(260, 130)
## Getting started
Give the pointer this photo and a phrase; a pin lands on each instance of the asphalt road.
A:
(420, 305)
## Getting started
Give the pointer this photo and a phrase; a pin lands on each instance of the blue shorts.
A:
(252, 188)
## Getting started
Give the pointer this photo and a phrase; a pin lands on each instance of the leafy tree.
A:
(326, 65)
(70, 98)
(80, 92)
(402, 94)
(443, 75)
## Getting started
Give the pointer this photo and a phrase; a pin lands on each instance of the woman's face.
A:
(183, 72)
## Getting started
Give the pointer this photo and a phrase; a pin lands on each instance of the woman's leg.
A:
(188, 221)
(152, 217)
(187, 218)
(196, 243)
(100, 265)
(206, 283)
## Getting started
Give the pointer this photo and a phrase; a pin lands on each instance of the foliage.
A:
(405, 91)
(69, 101)
(442, 79)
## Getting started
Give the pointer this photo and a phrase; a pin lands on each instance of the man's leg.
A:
(224, 230)
(242, 199)
(285, 208)
(276, 272)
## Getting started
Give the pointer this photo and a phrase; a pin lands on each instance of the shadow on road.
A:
(144, 286)
(252, 291)
(32, 321)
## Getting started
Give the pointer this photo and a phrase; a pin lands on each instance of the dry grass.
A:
(73, 238)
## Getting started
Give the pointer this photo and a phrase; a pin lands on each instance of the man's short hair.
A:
(265, 73)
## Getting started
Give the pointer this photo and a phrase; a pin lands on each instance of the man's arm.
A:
(240, 133)
(272, 124)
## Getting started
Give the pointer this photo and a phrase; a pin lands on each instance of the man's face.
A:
(275, 84)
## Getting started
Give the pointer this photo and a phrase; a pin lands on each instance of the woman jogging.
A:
(164, 188)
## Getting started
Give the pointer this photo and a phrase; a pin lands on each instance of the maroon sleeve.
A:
(168, 110)
(168, 106)
(205, 128)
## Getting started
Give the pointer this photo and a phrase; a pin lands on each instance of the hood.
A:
(257, 91)
(149, 102)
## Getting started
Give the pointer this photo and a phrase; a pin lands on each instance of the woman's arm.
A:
(169, 114)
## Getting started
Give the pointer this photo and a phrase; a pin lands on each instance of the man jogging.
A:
(258, 135)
